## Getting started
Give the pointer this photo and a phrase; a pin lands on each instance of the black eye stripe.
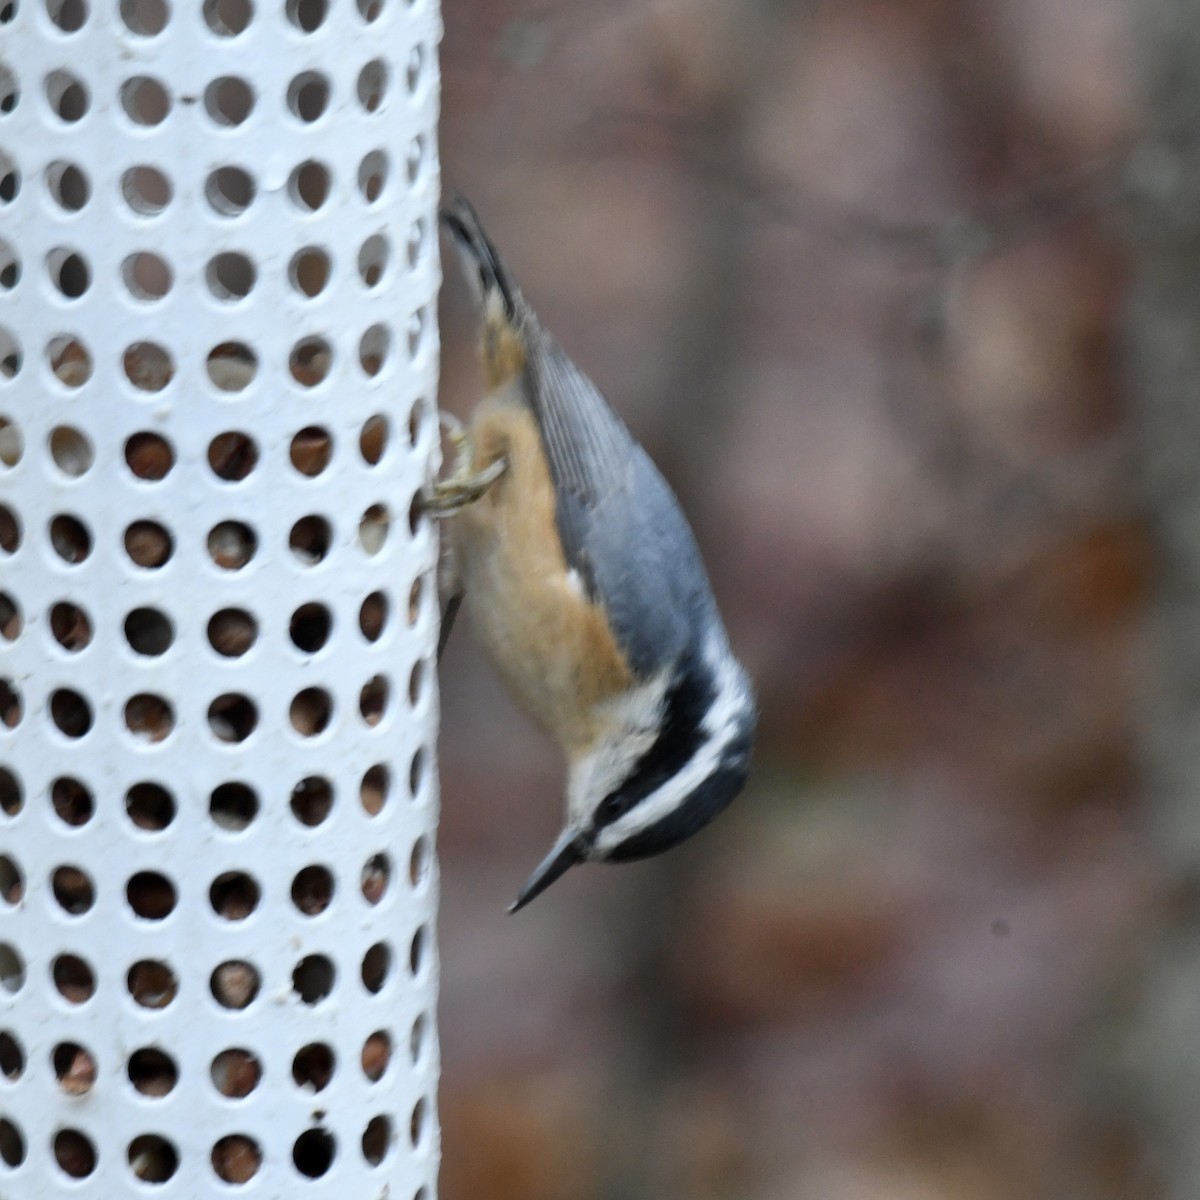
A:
(705, 802)
(680, 736)
(613, 806)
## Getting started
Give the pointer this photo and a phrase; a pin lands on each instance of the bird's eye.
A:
(611, 807)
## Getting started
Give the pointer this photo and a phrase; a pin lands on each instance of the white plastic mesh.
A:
(218, 266)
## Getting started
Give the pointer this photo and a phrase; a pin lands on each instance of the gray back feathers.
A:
(621, 527)
(620, 524)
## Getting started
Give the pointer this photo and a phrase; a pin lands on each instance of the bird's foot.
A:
(462, 486)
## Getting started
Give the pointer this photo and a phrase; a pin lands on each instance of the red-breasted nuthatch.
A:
(585, 583)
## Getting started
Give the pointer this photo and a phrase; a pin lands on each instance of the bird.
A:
(585, 584)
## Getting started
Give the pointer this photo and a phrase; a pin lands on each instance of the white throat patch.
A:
(633, 721)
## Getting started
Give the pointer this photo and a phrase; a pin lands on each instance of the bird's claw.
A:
(462, 486)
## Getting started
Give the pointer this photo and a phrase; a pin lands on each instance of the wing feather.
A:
(621, 527)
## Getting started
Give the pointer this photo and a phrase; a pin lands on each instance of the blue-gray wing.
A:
(622, 529)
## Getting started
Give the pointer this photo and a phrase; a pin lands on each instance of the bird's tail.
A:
(485, 270)
(504, 310)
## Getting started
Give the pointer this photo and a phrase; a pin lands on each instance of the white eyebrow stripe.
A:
(722, 723)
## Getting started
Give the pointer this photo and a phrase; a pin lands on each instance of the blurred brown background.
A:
(902, 297)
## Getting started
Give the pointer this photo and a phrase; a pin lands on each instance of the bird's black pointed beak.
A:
(568, 851)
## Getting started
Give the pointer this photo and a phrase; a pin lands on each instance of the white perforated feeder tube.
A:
(218, 266)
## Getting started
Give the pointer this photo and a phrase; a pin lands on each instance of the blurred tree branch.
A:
(1164, 338)
(1016, 507)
